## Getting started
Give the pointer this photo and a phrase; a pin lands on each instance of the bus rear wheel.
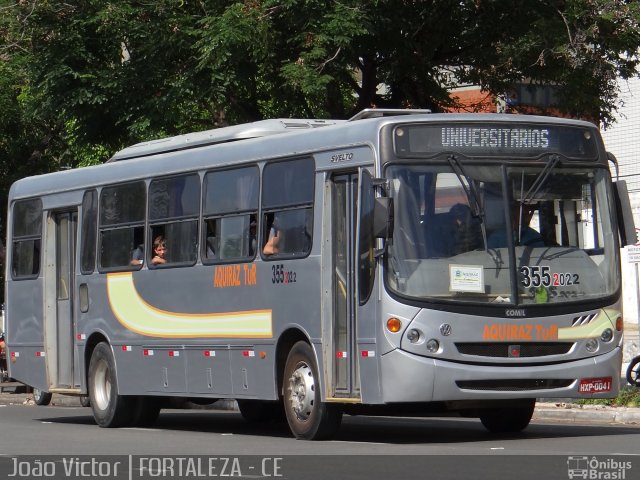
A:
(509, 419)
(109, 409)
(308, 417)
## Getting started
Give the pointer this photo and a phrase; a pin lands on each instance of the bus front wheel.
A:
(308, 417)
(509, 419)
(109, 409)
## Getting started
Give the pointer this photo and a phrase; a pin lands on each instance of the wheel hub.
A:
(302, 391)
(102, 386)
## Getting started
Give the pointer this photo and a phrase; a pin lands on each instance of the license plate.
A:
(595, 385)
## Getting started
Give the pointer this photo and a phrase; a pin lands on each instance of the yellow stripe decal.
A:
(136, 314)
(592, 329)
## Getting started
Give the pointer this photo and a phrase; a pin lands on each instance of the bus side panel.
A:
(252, 371)
(24, 323)
(208, 370)
(164, 370)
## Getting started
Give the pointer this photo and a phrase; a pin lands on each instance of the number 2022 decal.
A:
(542, 276)
(280, 275)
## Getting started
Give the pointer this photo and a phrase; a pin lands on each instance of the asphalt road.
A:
(365, 447)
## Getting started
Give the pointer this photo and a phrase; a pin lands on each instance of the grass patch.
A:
(628, 397)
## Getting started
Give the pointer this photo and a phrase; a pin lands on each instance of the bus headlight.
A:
(414, 335)
(607, 335)
(592, 345)
(433, 345)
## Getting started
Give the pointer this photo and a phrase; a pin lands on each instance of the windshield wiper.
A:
(470, 188)
(540, 180)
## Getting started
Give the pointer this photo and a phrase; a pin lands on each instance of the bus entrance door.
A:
(345, 379)
(59, 323)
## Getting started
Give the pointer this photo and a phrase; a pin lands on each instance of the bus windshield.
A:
(514, 234)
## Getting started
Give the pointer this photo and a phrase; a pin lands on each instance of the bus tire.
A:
(308, 417)
(258, 411)
(633, 372)
(84, 401)
(509, 419)
(110, 409)
(41, 398)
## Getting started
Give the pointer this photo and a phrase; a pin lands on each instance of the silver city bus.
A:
(395, 263)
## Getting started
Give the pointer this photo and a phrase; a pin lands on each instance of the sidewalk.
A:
(575, 413)
(546, 411)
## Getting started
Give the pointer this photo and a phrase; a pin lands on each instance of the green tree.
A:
(84, 78)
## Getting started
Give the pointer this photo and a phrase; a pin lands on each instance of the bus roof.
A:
(259, 140)
(245, 131)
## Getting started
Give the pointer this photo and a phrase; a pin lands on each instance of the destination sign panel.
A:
(496, 140)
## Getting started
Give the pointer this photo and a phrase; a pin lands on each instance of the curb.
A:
(575, 413)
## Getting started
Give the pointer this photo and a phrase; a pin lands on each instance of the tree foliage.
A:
(80, 79)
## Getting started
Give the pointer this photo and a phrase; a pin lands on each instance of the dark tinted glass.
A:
(288, 183)
(27, 218)
(122, 204)
(230, 191)
(89, 234)
(174, 197)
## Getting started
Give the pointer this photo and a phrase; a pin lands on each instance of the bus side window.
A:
(174, 207)
(27, 239)
(121, 227)
(230, 214)
(89, 232)
(287, 202)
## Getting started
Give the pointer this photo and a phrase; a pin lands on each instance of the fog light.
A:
(413, 335)
(607, 335)
(592, 345)
(433, 345)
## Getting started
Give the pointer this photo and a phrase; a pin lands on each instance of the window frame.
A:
(25, 238)
(158, 225)
(221, 215)
(89, 226)
(269, 211)
(112, 227)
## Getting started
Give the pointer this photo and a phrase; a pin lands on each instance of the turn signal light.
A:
(619, 324)
(394, 325)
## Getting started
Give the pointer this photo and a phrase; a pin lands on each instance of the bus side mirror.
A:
(383, 218)
(626, 226)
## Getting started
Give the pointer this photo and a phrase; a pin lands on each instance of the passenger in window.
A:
(159, 251)
(466, 230)
(273, 241)
(521, 214)
(137, 256)
(252, 237)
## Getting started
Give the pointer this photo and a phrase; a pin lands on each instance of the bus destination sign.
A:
(482, 140)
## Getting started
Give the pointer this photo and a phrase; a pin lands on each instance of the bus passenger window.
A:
(89, 232)
(174, 206)
(27, 238)
(287, 203)
(230, 214)
(121, 224)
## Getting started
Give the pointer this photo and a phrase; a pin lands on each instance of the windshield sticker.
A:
(466, 278)
(542, 276)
